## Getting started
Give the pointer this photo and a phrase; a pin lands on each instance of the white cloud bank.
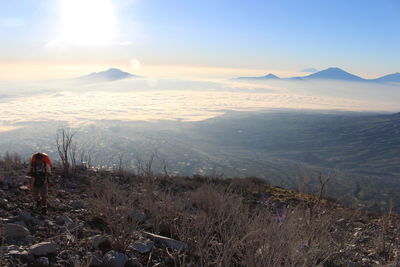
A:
(140, 99)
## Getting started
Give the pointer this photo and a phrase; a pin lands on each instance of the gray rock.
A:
(77, 204)
(102, 242)
(43, 249)
(21, 223)
(133, 262)
(43, 261)
(95, 260)
(169, 242)
(13, 230)
(13, 181)
(29, 258)
(54, 202)
(63, 220)
(14, 250)
(373, 255)
(3, 203)
(63, 207)
(28, 218)
(143, 246)
(114, 259)
(30, 239)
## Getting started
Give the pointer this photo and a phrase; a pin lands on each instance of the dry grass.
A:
(224, 231)
(232, 222)
(10, 162)
(115, 206)
(219, 226)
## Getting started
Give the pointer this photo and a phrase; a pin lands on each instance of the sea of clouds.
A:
(174, 99)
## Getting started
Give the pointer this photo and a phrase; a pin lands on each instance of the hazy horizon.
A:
(66, 38)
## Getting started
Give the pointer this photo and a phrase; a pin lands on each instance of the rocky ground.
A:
(162, 221)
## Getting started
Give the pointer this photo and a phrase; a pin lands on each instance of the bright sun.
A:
(87, 22)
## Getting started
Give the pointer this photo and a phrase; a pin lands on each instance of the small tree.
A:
(65, 146)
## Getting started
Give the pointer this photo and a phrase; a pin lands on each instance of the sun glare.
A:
(87, 22)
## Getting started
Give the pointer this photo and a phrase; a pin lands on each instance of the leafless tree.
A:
(64, 146)
(85, 159)
(72, 155)
(148, 166)
(138, 163)
(120, 162)
(323, 182)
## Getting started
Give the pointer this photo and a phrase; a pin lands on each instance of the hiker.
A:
(39, 171)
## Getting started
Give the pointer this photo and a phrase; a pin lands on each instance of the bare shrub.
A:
(222, 230)
(384, 240)
(66, 149)
(11, 161)
(115, 206)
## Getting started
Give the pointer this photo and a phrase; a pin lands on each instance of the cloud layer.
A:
(143, 99)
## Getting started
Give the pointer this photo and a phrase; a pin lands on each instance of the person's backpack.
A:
(40, 171)
(46, 158)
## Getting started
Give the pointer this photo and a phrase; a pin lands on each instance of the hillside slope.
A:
(103, 217)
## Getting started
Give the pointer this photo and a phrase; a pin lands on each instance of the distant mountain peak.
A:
(269, 76)
(334, 73)
(309, 70)
(112, 74)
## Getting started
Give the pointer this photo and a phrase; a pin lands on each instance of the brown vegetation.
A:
(216, 222)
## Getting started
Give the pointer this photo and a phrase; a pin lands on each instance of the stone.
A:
(4, 203)
(114, 259)
(63, 207)
(43, 249)
(364, 239)
(143, 246)
(102, 242)
(54, 202)
(21, 223)
(30, 239)
(95, 260)
(373, 255)
(29, 258)
(133, 262)
(61, 220)
(77, 204)
(13, 230)
(168, 242)
(14, 250)
(27, 217)
(43, 261)
(364, 260)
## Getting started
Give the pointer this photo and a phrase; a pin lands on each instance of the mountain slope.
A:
(364, 147)
(102, 217)
(394, 77)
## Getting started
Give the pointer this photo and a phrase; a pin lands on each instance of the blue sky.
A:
(361, 36)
